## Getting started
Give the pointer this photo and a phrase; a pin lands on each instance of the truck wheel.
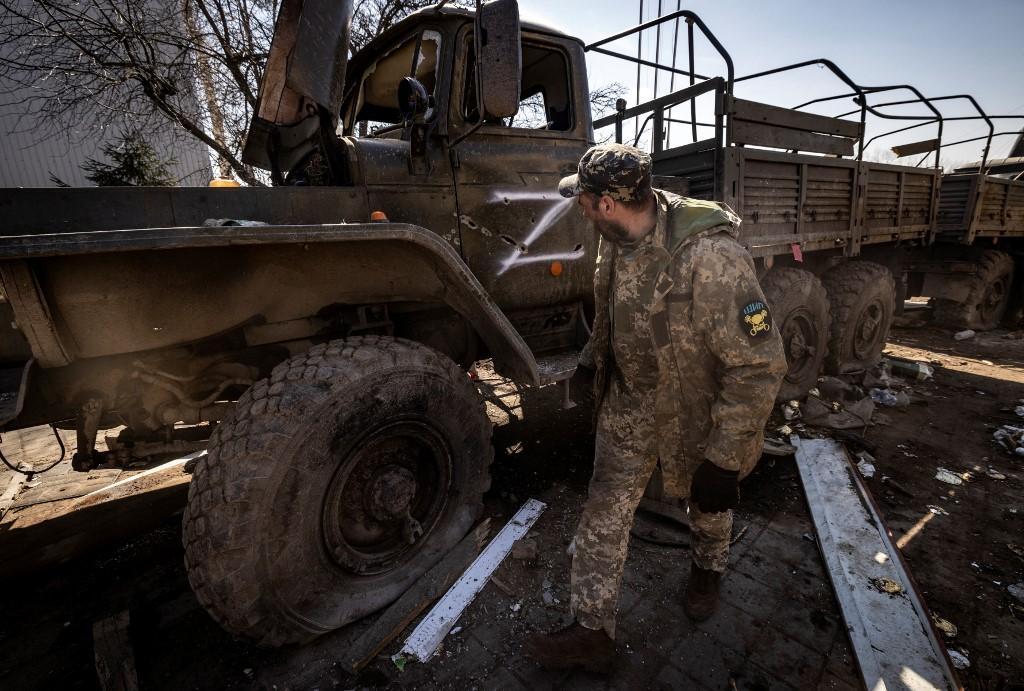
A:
(987, 298)
(863, 299)
(333, 486)
(800, 309)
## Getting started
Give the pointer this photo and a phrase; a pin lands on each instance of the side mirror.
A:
(413, 100)
(499, 58)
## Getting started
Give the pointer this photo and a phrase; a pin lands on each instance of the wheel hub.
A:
(799, 333)
(389, 491)
(868, 330)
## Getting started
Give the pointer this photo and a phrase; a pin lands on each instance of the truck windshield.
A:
(544, 94)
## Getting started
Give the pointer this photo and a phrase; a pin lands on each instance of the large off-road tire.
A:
(800, 311)
(987, 298)
(862, 296)
(333, 486)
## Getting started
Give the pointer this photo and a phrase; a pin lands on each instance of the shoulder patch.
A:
(756, 319)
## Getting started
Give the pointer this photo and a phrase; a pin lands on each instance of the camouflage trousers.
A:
(625, 456)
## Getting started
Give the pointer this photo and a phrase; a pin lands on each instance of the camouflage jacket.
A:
(719, 357)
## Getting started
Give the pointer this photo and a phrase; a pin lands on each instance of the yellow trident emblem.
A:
(758, 322)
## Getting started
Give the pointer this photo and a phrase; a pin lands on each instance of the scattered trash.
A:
(947, 627)
(995, 474)
(988, 362)
(248, 672)
(525, 550)
(851, 416)
(887, 585)
(777, 447)
(785, 430)
(1019, 410)
(948, 476)
(886, 480)
(1017, 590)
(423, 642)
(399, 659)
(789, 411)
(964, 335)
(959, 660)
(516, 606)
(912, 370)
(884, 397)
(937, 510)
(866, 469)
(548, 595)
(455, 631)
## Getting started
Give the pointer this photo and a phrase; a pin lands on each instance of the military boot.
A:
(701, 593)
(574, 647)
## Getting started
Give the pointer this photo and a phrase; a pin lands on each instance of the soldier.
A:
(684, 363)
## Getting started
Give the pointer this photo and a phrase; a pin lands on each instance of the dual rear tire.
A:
(838, 324)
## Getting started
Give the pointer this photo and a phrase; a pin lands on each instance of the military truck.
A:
(323, 328)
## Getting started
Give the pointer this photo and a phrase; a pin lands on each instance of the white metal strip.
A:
(891, 634)
(427, 636)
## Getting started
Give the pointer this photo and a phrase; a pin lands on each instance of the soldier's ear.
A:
(606, 205)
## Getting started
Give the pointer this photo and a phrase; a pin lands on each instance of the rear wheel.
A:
(863, 300)
(800, 309)
(987, 298)
(333, 486)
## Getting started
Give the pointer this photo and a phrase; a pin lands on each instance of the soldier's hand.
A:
(715, 489)
(581, 386)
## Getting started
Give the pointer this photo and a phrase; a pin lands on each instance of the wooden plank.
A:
(422, 643)
(759, 134)
(888, 623)
(7, 498)
(920, 147)
(68, 486)
(793, 119)
(115, 661)
(411, 604)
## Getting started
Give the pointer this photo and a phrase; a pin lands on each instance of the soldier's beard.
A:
(612, 231)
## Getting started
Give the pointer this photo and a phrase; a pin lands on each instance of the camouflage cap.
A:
(616, 170)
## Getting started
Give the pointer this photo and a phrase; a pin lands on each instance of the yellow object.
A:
(378, 216)
(224, 182)
(556, 268)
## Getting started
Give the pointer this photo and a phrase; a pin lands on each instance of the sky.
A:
(942, 47)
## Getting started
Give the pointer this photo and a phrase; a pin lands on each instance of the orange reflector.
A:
(224, 182)
(556, 268)
(378, 216)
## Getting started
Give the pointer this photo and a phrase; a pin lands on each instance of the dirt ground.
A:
(962, 556)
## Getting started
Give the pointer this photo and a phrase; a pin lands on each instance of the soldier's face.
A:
(601, 211)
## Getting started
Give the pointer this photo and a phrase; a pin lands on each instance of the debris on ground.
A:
(115, 660)
(948, 476)
(866, 469)
(959, 659)
(880, 613)
(937, 510)
(525, 550)
(964, 335)
(430, 586)
(948, 628)
(912, 370)
(1017, 590)
(1010, 438)
(423, 642)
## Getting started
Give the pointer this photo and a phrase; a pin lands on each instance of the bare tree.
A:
(136, 65)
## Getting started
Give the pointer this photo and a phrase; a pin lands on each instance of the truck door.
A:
(527, 245)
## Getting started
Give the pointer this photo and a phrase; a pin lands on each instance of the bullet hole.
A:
(578, 247)
(506, 239)
(506, 201)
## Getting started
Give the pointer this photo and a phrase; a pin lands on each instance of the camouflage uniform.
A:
(687, 365)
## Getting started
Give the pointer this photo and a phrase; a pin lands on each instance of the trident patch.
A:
(755, 319)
